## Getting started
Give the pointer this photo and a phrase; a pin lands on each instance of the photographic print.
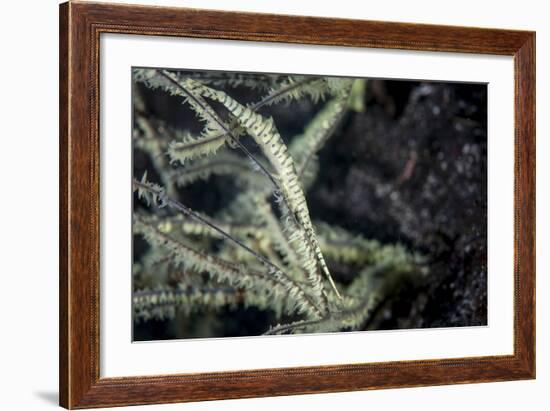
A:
(274, 204)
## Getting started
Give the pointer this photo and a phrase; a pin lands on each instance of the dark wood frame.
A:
(80, 27)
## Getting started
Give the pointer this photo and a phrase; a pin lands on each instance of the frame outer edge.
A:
(64, 103)
(80, 382)
(79, 202)
(526, 207)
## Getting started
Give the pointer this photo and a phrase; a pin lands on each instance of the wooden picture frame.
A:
(80, 27)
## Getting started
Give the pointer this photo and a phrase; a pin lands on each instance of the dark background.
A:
(411, 168)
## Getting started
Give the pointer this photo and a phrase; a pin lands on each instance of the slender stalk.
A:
(196, 216)
(292, 326)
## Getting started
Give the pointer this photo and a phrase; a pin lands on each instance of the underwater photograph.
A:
(275, 204)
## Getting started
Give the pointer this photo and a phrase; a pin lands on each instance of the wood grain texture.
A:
(80, 27)
(63, 204)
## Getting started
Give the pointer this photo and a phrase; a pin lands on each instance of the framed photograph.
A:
(259, 205)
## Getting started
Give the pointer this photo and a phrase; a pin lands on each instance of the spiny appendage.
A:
(279, 156)
(302, 215)
(268, 138)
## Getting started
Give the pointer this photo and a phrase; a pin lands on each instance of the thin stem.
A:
(281, 92)
(177, 173)
(292, 326)
(186, 291)
(190, 213)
